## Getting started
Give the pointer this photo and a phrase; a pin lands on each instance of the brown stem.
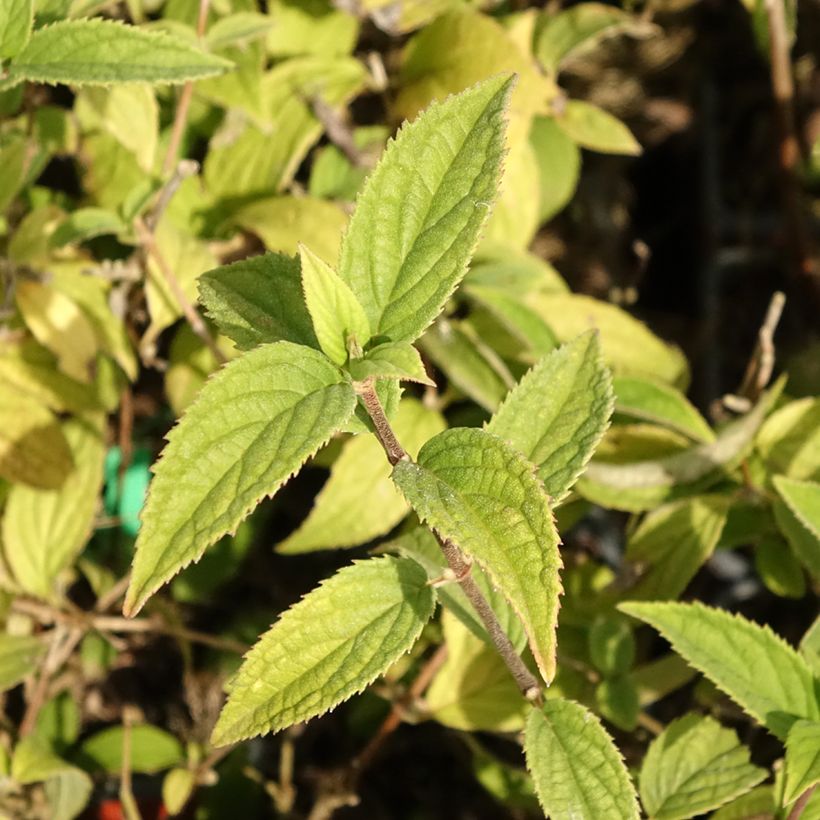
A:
(760, 366)
(525, 680)
(802, 802)
(148, 241)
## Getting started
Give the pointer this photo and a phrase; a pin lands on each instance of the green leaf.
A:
(616, 699)
(359, 502)
(778, 567)
(750, 663)
(695, 766)
(310, 27)
(338, 639)
(628, 346)
(177, 787)
(798, 517)
(16, 20)
(152, 750)
(391, 360)
(576, 29)
(611, 645)
(251, 427)
(789, 441)
(672, 543)
(33, 449)
(559, 166)
(236, 29)
(19, 656)
(476, 490)
(593, 128)
(86, 223)
(258, 300)
(44, 530)
(558, 412)
(338, 318)
(419, 215)
(659, 403)
(758, 802)
(802, 759)
(468, 365)
(810, 647)
(97, 51)
(473, 690)
(643, 484)
(578, 771)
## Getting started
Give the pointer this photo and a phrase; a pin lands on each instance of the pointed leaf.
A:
(44, 530)
(789, 441)
(338, 639)
(695, 766)
(391, 360)
(802, 759)
(577, 769)
(476, 490)
(642, 485)
(251, 427)
(258, 300)
(659, 403)
(337, 315)
(558, 412)
(798, 517)
(750, 663)
(593, 128)
(359, 501)
(152, 750)
(419, 215)
(104, 51)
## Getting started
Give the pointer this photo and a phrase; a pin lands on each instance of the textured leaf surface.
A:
(16, 19)
(338, 639)
(695, 766)
(750, 663)
(577, 769)
(802, 759)
(258, 300)
(19, 655)
(336, 313)
(660, 403)
(799, 519)
(391, 360)
(476, 490)
(103, 51)
(672, 543)
(643, 484)
(253, 425)
(44, 530)
(359, 501)
(558, 412)
(418, 218)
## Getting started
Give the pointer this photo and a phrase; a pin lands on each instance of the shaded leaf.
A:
(798, 517)
(802, 759)
(19, 656)
(152, 750)
(789, 441)
(391, 360)
(559, 165)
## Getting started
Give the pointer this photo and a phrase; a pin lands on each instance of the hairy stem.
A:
(524, 679)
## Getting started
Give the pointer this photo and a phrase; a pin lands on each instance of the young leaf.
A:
(252, 426)
(476, 490)
(16, 19)
(419, 215)
(789, 441)
(593, 128)
(338, 639)
(659, 403)
(577, 769)
(672, 543)
(44, 530)
(391, 360)
(642, 485)
(695, 766)
(338, 318)
(802, 759)
(258, 300)
(558, 412)
(798, 517)
(96, 51)
(757, 669)
(359, 501)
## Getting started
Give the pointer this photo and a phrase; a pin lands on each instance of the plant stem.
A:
(524, 679)
(802, 802)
